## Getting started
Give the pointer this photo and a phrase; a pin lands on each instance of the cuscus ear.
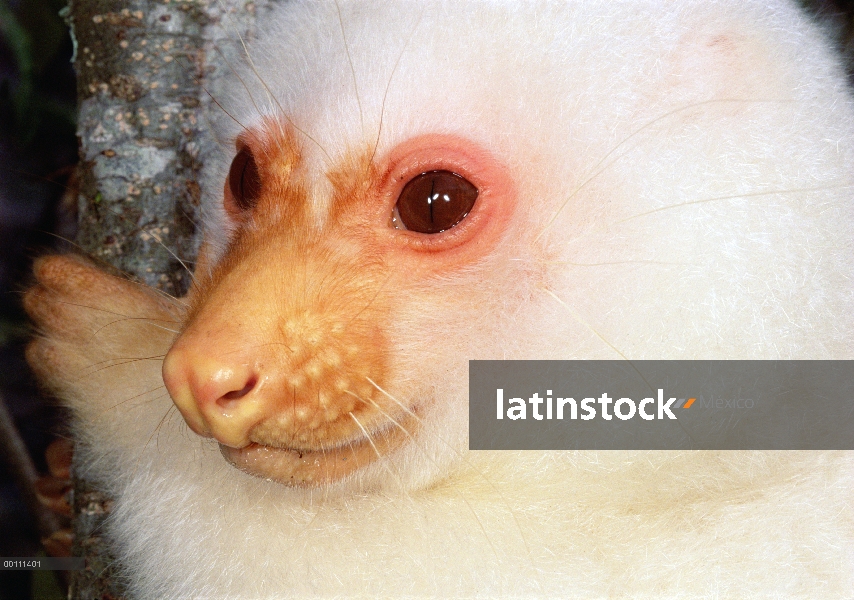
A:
(88, 319)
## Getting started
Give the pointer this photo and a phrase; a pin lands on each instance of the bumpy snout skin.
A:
(276, 364)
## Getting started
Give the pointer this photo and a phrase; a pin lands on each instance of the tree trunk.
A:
(146, 72)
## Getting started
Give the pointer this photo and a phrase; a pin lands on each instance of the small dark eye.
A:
(244, 181)
(435, 201)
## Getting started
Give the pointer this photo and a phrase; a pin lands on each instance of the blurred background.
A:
(38, 209)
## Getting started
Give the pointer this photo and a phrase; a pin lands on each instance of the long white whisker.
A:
(430, 458)
(146, 320)
(380, 456)
(632, 135)
(388, 87)
(175, 256)
(579, 319)
(352, 68)
(272, 97)
(653, 211)
(488, 481)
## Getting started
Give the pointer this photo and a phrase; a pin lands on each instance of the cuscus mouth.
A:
(312, 467)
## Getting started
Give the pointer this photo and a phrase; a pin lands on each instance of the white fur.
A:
(685, 177)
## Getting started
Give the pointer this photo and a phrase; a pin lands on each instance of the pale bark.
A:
(146, 70)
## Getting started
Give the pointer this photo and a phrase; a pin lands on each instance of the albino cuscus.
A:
(404, 187)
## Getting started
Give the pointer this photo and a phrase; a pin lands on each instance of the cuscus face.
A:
(285, 356)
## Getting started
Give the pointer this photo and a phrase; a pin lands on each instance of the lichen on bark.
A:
(146, 73)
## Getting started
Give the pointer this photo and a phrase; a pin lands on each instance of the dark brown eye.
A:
(244, 181)
(435, 201)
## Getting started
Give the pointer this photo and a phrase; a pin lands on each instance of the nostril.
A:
(226, 400)
(217, 397)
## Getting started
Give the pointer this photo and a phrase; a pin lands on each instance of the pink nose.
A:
(214, 394)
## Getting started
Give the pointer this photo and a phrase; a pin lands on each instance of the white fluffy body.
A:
(684, 172)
